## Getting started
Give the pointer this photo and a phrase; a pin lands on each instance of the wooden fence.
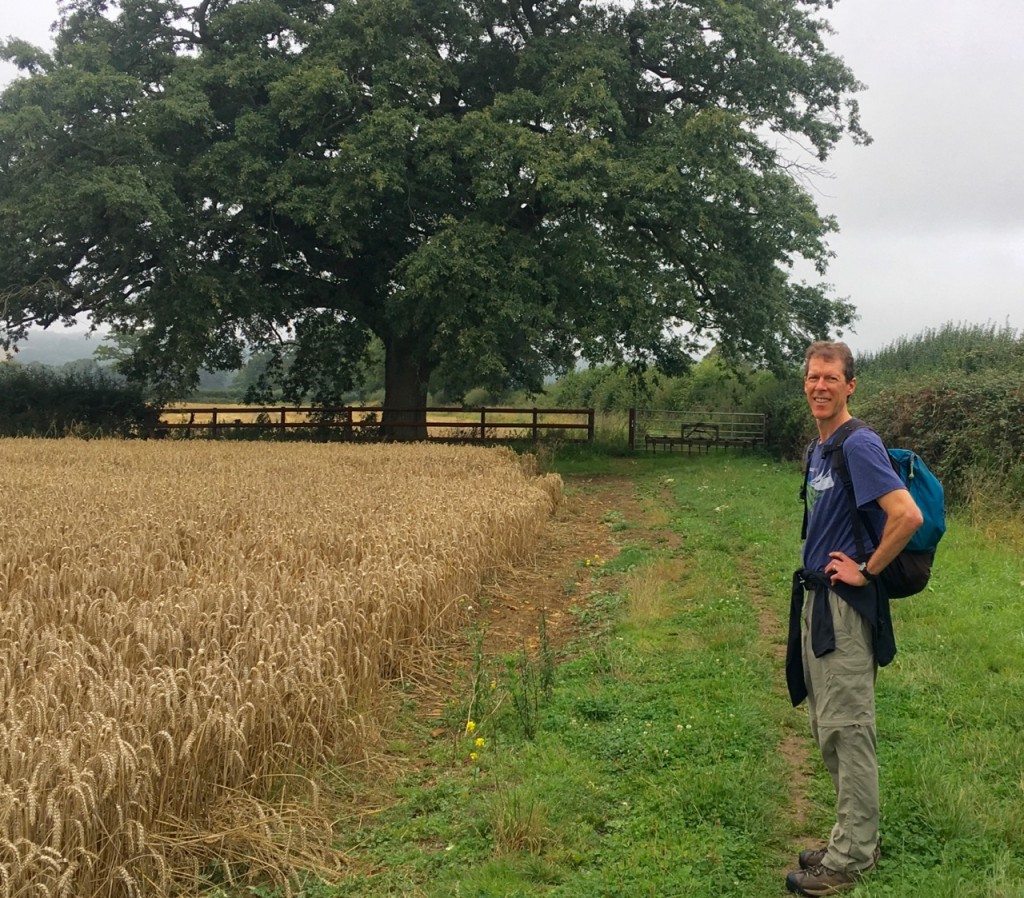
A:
(700, 430)
(364, 422)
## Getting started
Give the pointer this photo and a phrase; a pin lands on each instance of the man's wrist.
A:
(863, 568)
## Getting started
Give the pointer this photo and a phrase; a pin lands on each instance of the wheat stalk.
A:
(186, 625)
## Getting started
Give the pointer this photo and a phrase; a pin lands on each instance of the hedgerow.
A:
(969, 428)
(36, 400)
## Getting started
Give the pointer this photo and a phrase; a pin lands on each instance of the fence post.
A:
(483, 423)
(213, 422)
(590, 425)
(535, 424)
(632, 429)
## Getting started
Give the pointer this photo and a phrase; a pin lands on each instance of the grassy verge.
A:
(646, 759)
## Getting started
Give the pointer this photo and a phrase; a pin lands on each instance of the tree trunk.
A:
(405, 392)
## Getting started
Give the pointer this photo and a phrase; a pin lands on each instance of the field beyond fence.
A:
(364, 422)
(190, 628)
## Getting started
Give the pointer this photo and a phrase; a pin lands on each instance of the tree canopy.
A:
(493, 188)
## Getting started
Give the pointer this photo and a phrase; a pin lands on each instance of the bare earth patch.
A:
(579, 531)
(794, 748)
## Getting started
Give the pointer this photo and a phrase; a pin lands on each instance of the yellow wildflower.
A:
(470, 727)
(479, 742)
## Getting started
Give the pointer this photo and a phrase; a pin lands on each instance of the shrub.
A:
(605, 388)
(961, 425)
(39, 401)
(788, 425)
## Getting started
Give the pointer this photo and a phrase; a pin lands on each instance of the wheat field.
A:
(188, 628)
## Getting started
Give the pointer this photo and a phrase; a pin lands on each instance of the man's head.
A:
(830, 352)
(828, 383)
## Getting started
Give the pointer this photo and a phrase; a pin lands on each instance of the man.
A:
(840, 629)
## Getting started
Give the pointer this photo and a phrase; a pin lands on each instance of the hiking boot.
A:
(812, 857)
(820, 880)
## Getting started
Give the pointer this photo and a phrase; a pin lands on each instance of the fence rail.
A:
(365, 422)
(651, 429)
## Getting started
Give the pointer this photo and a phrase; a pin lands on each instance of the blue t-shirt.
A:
(829, 525)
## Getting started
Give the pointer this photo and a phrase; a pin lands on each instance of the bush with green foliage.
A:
(787, 425)
(605, 388)
(39, 401)
(969, 428)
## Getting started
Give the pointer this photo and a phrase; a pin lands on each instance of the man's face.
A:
(827, 388)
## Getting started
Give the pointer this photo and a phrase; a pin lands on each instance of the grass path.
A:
(655, 752)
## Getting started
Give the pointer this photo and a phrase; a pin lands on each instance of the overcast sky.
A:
(931, 214)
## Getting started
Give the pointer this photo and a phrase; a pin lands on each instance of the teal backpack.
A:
(911, 569)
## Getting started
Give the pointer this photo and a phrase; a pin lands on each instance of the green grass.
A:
(654, 768)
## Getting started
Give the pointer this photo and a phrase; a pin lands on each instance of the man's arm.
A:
(902, 518)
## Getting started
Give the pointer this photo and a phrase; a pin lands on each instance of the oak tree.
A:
(493, 188)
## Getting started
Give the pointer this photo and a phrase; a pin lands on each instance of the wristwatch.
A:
(863, 568)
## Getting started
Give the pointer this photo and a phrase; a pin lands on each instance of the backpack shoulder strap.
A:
(837, 454)
(803, 486)
(836, 445)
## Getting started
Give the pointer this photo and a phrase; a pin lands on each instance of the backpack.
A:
(909, 572)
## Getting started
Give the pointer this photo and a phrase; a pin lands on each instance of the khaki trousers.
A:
(841, 703)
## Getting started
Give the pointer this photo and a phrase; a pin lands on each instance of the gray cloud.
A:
(932, 213)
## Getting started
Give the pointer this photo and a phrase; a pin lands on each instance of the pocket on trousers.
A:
(848, 698)
(854, 653)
